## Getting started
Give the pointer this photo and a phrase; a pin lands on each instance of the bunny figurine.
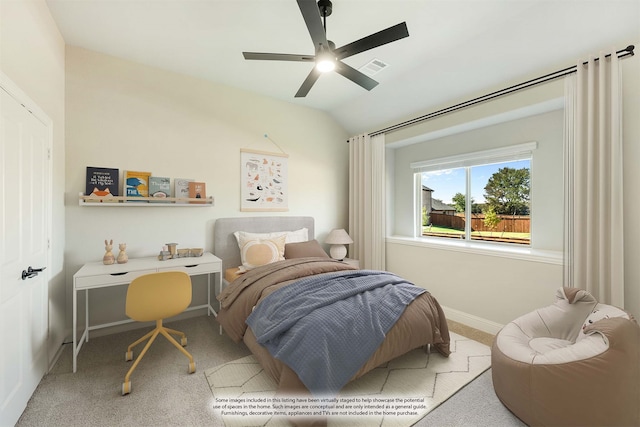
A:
(122, 255)
(108, 257)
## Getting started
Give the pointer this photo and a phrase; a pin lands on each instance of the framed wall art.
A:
(264, 181)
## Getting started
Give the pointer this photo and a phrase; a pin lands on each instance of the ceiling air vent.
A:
(373, 67)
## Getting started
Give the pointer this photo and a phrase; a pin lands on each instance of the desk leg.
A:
(86, 313)
(220, 283)
(220, 292)
(75, 320)
(209, 308)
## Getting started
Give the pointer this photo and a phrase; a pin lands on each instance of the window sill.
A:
(478, 248)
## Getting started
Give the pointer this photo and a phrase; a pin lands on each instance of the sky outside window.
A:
(446, 183)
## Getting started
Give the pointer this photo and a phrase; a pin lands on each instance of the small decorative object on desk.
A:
(183, 253)
(108, 257)
(196, 251)
(164, 254)
(122, 255)
(172, 249)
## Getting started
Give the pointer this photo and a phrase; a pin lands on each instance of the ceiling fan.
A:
(327, 57)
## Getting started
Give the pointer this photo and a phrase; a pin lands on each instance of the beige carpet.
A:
(398, 394)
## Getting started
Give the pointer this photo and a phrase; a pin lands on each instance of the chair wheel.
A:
(183, 341)
(192, 367)
(126, 388)
(128, 356)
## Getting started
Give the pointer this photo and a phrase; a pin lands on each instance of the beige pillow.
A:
(304, 249)
(255, 252)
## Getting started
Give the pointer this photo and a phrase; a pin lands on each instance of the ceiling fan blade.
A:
(355, 76)
(380, 38)
(312, 18)
(308, 83)
(278, 56)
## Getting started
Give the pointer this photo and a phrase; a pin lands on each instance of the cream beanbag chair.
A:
(573, 363)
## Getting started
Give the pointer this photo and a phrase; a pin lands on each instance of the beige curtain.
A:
(594, 256)
(367, 200)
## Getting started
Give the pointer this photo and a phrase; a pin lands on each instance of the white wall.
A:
(489, 291)
(32, 56)
(129, 116)
(546, 171)
(483, 291)
(471, 285)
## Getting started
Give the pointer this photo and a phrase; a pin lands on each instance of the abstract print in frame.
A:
(264, 181)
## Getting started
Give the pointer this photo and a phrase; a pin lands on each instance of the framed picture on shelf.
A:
(264, 181)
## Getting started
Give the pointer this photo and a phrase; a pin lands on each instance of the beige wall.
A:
(32, 57)
(129, 116)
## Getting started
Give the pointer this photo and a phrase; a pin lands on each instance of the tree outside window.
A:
(495, 205)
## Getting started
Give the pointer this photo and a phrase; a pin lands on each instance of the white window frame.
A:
(516, 152)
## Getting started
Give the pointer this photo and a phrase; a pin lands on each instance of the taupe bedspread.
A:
(423, 322)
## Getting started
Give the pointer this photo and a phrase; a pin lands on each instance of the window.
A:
(482, 196)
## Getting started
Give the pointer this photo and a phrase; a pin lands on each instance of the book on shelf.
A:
(197, 190)
(159, 188)
(136, 184)
(181, 188)
(101, 184)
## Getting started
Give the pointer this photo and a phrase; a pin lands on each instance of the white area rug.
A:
(397, 394)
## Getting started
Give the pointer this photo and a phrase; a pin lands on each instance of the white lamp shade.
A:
(338, 236)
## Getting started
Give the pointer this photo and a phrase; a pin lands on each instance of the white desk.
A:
(97, 275)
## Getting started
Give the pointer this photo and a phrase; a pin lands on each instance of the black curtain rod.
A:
(628, 51)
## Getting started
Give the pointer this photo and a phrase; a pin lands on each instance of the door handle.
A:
(31, 272)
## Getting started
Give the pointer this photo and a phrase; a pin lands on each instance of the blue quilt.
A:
(325, 327)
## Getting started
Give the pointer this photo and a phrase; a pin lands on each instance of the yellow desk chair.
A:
(157, 296)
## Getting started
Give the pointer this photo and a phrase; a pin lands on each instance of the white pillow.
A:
(255, 252)
(296, 236)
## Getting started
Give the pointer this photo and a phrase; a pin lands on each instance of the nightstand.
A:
(354, 262)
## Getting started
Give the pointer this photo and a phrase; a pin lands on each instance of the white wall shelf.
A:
(145, 202)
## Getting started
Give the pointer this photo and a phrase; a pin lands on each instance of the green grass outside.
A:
(446, 230)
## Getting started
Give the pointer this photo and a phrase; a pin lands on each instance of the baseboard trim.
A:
(56, 356)
(471, 320)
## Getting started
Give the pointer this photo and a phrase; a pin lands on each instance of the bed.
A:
(261, 294)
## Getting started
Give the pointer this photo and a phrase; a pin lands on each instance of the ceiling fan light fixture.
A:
(329, 58)
(325, 62)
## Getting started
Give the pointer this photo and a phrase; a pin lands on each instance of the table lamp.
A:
(338, 238)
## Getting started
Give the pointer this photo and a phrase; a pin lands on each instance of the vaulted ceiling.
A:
(455, 48)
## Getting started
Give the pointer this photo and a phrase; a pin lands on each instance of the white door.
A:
(24, 210)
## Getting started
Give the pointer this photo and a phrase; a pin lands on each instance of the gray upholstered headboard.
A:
(225, 245)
